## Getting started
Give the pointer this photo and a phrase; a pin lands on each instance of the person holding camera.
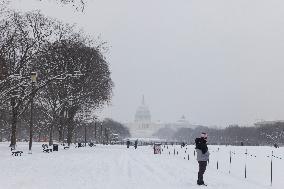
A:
(202, 156)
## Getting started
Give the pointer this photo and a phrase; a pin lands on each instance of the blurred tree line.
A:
(259, 134)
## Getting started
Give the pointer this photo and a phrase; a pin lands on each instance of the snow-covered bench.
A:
(91, 144)
(79, 145)
(46, 148)
(66, 147)
(16, 153)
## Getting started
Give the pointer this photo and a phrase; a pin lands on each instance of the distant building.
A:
(181, 123)
(143, 127)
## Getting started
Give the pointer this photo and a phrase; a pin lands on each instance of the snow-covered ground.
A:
(109, 167)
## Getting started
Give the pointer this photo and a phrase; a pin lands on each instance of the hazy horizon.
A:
(216, 62)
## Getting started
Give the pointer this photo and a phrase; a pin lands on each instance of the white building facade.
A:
(143, 127)
(181, 123)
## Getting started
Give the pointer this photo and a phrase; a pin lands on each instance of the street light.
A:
(95, 120)
(69, 121)
(33, 81)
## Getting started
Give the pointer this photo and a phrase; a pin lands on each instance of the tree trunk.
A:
(70, 125)
(60, 128)
(70, 130)
(52, 128)
(51, 135)
(14, 124)
(101, 137)
(95, 132)
(31, 121)
(60, 133)
(39, 136)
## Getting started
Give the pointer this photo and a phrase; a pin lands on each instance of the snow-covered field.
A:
(109, 167)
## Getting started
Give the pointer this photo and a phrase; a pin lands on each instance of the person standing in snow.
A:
(127, 143)
(135, 144)
(202, 156)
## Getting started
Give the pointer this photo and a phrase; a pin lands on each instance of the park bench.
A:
(79, 145)
(91, 144)
(66, 147)
(46, 148)
(16, 152)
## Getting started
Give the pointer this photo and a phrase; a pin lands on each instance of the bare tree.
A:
(22, 38)
(91, 88)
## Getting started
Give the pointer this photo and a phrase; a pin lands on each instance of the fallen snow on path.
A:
(109, 167)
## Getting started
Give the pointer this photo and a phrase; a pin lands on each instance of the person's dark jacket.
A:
(200, 143)
(201, 149)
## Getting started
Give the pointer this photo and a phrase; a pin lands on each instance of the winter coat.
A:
(201, 150)
(202, 157)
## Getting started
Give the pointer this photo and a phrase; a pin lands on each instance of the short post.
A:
(217, 165)
(188, 157)
(245, 171)
(271, 169)
(230, 161)
(174, 151)
(246, 164)
(194, 153)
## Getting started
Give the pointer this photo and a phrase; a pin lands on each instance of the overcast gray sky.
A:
(216, 62)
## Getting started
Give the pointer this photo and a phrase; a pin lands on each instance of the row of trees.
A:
(265, 134)
(91, 131)
(73, 76)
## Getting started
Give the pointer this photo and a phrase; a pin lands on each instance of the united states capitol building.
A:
(144, 127)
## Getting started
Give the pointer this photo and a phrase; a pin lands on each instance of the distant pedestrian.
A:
(127, 143)
(135, 144)
(202, 156)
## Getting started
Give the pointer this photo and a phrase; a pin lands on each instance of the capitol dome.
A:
(142, 113)
(182, 121)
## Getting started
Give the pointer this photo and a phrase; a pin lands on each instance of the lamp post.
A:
(95, 120)
(69, 121)
(61, 136)
(33, 80)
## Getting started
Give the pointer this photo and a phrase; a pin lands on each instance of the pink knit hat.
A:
(204, 135)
